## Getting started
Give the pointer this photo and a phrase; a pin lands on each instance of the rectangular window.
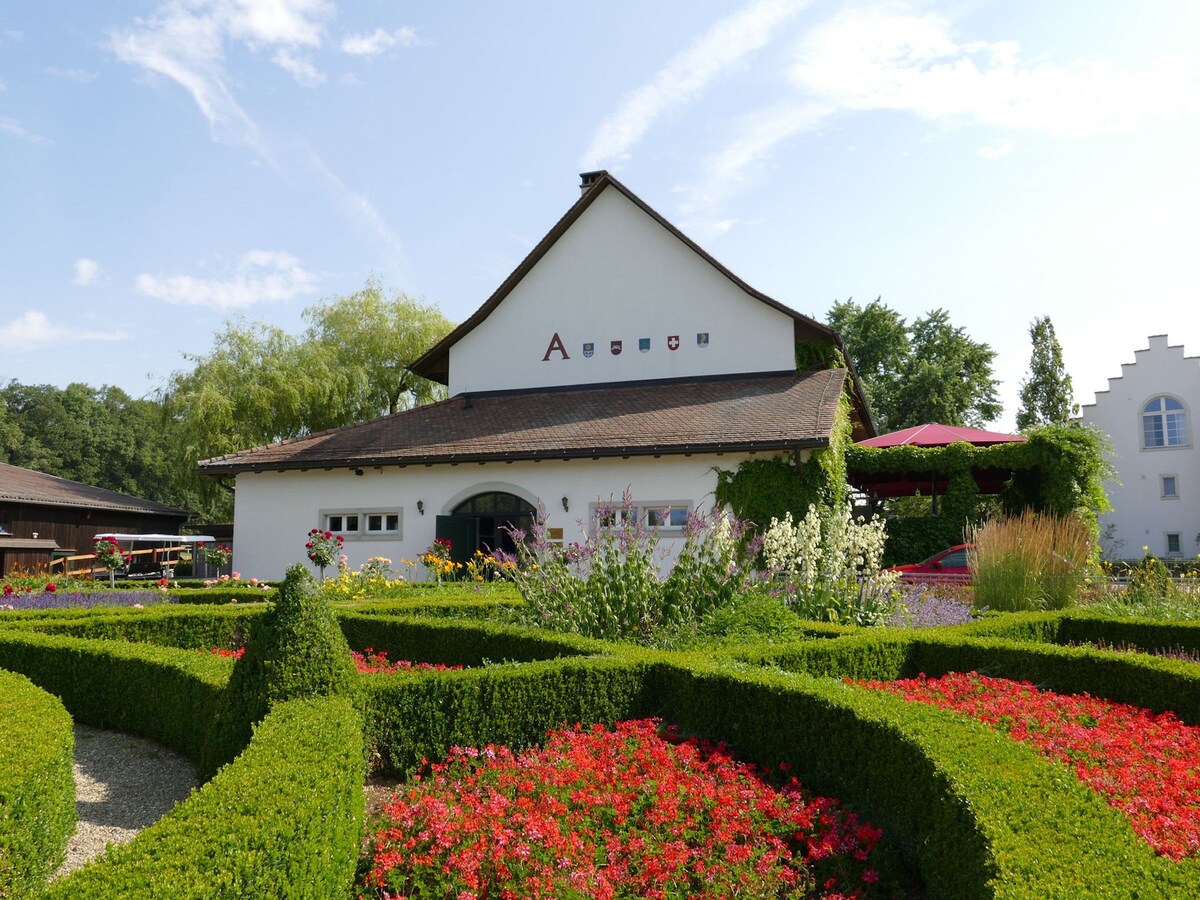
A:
(665, 518)
(383, 522)
(363, 523)
(341, 523)
(1174, 546)
(1170, 490)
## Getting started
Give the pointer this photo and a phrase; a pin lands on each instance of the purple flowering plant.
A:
(611, 585)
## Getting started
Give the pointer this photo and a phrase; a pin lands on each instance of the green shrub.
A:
(419, 716)
(981, 815)
(456, 643)
(296, 650)
(37, 788)
(188, 627)
(284, 820)
(161, 693)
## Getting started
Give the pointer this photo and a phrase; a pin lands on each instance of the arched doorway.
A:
(481, 523)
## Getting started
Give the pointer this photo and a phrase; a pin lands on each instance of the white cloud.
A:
(299, 67)
(185, 41)
(379, 40)
(726, 171)
(86, 272)
(34, 329)
(80, 76)
(890, 58)
(882, 59)
(995, 150)
(17, 130)
(727, 43)
(261, 276)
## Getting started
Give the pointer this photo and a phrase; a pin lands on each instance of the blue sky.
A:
(165, 166)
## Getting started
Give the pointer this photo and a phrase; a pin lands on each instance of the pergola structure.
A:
(908, 478)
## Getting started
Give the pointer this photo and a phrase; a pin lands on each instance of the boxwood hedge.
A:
(978, 814)
(37, 791)
(283, 820)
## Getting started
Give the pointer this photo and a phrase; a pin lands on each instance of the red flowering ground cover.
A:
(632, 812)
(370, 661)
(1145, 764)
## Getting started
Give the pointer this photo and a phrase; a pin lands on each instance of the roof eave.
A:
(564, 453)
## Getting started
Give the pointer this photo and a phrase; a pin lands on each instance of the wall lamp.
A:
(421, 507)
(566, 507)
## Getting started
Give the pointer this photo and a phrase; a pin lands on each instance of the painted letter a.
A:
(555, 344)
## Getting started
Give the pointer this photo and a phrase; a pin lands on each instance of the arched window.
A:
(1164, 423)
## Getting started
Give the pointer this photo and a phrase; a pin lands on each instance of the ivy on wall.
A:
(759, 490)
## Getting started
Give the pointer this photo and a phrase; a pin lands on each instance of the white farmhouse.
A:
(1147, 412)
(618, 357)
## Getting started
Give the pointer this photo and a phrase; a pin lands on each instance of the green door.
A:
(463, 534)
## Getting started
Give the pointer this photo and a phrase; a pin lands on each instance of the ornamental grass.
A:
(1029, 562)
(1145, 764)
(632, 812)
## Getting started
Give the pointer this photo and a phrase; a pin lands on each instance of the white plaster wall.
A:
(1141, 515)
(273, 511)
(617, 274)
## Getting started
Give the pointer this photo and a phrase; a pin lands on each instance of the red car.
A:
(945, 566)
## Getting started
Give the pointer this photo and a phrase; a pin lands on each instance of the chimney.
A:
(587, 179)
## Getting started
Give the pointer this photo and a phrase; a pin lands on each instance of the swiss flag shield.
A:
(672, 342)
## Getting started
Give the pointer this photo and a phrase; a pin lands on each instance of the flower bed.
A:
(599, 813)
(369, 662)
(1147, 765)
(60, 599)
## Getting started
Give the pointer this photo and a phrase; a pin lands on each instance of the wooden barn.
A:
(43, 517)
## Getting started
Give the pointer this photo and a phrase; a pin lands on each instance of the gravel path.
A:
(122, 784)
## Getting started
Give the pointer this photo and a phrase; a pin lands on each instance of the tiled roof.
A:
(27, 486)
(760, 412)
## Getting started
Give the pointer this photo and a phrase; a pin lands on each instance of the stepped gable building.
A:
(619, 357)
(1148, 412)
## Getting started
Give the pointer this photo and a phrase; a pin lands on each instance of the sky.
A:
(168, 166)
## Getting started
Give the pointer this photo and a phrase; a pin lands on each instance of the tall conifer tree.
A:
(1047, 394)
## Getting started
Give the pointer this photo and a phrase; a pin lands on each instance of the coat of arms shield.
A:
(615, 347)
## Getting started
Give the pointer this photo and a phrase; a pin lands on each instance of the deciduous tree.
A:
(926, 371)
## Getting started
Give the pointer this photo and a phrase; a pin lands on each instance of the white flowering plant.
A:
(827, 566)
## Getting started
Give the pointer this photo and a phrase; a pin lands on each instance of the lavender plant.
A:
(83, 599)
(930, 606)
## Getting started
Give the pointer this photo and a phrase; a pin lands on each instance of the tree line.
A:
(260, 384)
(256, 386)
(928, 370)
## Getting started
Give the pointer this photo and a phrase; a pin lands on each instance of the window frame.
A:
(643, 509)
(1162, 487)
(362, 532)
(1167, 535)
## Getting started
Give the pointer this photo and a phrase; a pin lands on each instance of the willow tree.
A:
(260, 384)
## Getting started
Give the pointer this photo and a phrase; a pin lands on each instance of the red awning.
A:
(936, 435)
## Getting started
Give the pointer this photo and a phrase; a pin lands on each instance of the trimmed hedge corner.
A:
(164, 694)
(283, 820)
(37, 787)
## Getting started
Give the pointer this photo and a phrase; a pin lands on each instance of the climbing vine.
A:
(759, 490)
